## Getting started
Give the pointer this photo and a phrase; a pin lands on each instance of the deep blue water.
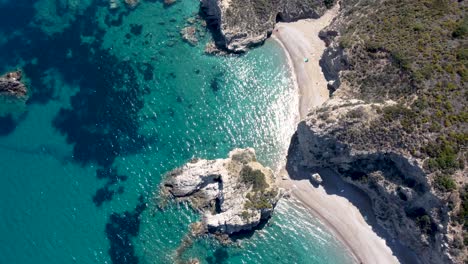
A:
(117, 99)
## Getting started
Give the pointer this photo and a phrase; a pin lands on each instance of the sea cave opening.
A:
(279, 18)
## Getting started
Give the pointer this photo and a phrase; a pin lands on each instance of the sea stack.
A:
(11, 85)
(234, 194)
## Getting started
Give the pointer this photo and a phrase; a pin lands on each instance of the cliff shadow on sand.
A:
(333, 184)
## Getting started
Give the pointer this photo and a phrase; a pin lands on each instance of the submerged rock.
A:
(212, 49)
(169, 2)
(132, 3)
(189, 34)
(113, 4)
(10, 84)
(234, 194)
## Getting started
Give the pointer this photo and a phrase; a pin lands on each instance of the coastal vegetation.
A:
(425, 43)
(463, 213)
(263, 8)
(261, 195)
(256, 178)
(410, 59)
(247, 189)
(445, 182)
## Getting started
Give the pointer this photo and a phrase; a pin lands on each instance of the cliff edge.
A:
(395, 126)
(241, 24)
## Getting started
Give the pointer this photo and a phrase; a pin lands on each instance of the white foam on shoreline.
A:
(299, 41)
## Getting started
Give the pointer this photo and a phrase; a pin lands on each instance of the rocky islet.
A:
(11, 85)
(234, 194)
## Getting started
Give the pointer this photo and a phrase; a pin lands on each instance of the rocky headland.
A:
(234, 194)
(240, 24)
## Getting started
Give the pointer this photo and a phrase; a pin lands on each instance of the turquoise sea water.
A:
(117, 100)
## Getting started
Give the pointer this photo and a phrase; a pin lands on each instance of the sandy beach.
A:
(301, 42)
(304, 48)
(344, 220)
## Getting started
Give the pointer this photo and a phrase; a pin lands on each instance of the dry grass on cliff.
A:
(414, 52)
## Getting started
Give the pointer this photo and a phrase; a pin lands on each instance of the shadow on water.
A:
(102, 121)
(7, 125)
(220, 256)
(246, 234)
(107, 192)
(120, 230)
(335, 185)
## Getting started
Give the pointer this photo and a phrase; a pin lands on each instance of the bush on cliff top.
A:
(260, 200)
(462, 29)
(463, 213)
(256, 178)
(443, 153)
(445, 183)
(415, 53)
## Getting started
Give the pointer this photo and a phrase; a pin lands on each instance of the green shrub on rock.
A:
(461, 30)
(445, 183)
(424, 223)
(463, 213)
(260, 200)
(254, 177)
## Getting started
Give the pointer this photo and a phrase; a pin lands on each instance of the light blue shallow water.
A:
(112, 109)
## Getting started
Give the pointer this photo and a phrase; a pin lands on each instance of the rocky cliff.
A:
(395, 182)
(234, 194)
(240, 24)
(395, 126)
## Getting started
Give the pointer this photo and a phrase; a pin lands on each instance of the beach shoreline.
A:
(303, 49)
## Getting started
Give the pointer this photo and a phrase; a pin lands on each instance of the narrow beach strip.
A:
(304, 48)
